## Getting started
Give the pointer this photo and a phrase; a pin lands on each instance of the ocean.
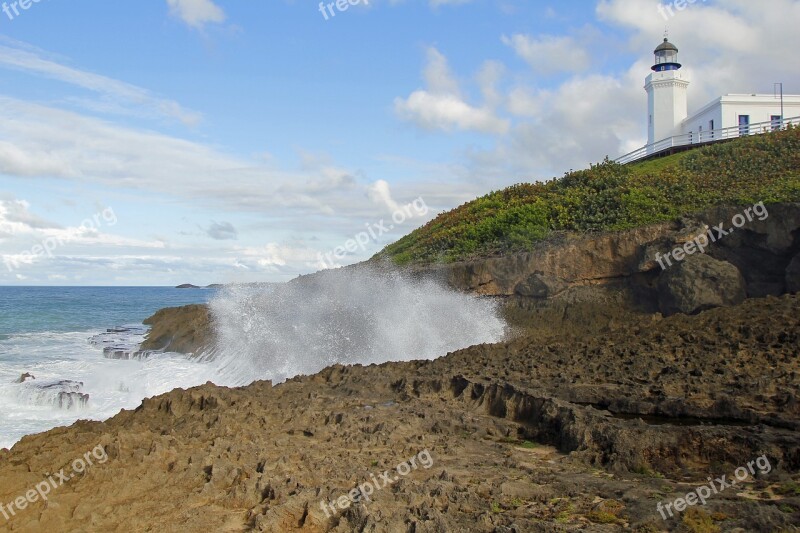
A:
(57, 334)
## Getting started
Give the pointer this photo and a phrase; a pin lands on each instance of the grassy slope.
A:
(610, 197)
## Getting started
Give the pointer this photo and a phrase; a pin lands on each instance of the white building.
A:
(668, 122)
(742, 110)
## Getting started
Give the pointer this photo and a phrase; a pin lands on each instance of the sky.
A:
(219, 141)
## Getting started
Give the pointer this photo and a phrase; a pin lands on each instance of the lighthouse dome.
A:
(666, 45)
(666, 57)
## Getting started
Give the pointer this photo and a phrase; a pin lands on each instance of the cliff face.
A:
(585, 284)
(762, 251)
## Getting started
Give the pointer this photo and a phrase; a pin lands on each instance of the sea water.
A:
(57, 334)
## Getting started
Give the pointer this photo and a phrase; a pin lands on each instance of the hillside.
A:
(610, 197)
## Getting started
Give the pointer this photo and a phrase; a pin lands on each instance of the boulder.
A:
(793, 275)
(24, 377)
(698, 283)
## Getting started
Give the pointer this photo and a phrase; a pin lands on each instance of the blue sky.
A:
(170, 141)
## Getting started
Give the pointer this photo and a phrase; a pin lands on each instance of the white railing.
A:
(704, 137)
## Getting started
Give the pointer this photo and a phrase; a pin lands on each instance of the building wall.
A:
(726, 111)
(700, 123)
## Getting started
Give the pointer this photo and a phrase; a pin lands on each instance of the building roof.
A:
(666, 45)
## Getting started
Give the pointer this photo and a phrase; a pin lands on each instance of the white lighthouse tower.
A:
(666, 89)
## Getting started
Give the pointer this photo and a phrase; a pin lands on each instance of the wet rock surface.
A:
(536, 434)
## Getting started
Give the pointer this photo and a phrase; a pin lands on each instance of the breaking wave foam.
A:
(345, 316)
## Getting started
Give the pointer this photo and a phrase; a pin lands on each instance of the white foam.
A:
(111, 384)
(344, 316)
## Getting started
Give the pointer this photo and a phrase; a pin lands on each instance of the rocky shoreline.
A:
(527, 435)
(602, 413)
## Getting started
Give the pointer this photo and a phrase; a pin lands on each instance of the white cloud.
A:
(280, 255)
(196, 13)
(119, 97)
(381, 194)
(441, 107)
(447, 112)
(29, 240)
(44, 142)
(438, 76)
(549, 53)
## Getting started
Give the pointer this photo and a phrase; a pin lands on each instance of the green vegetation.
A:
(611, 197)
(607, 513)
(698, 521)
(788, 489)
(644, 470)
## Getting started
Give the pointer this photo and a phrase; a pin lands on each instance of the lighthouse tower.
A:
(666, 87)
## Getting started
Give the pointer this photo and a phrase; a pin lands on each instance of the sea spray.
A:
(348, 316)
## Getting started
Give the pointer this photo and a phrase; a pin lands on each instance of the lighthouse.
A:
(671, 129)
(666, 86)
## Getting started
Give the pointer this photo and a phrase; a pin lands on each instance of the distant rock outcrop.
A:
(187, 286)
